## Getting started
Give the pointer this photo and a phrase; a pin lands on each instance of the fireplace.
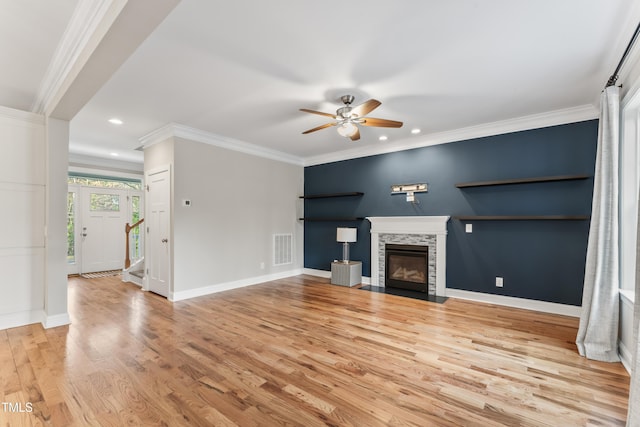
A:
(406, 267)
(424, 231)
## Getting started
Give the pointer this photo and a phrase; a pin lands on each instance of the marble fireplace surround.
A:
(428, 231)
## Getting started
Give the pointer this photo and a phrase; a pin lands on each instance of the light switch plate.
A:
(468, 228)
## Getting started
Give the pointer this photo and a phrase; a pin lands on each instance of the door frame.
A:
(77, 189)
(147, 209)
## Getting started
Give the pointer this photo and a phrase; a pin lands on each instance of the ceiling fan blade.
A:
(356, 135)
(383, 123)
(333, 116)
(318, 128)
(366, 107)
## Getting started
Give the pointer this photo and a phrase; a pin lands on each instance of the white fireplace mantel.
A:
(411, 225)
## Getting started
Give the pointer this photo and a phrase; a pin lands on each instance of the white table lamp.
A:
(346, 236)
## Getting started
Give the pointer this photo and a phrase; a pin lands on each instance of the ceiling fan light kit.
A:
(347, 129)
(347, 118)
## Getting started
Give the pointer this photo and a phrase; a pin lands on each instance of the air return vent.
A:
(282, 249)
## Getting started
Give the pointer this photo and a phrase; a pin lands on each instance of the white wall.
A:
(158, 155)
(22, 221)
(55, 301)
(238, 201)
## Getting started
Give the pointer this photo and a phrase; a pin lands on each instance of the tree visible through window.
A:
(104, 202)
(71, 228)
(135, 233)
(119, 184)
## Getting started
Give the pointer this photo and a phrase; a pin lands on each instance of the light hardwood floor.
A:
(301, 352)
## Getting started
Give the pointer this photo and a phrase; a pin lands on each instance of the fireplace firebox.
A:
(406, 267)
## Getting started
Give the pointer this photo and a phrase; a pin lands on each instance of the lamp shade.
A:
(347, 235)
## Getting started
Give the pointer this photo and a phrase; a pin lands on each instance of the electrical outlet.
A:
(499, 282)
(468, 228)
(262, 266)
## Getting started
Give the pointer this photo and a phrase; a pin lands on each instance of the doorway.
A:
(97, 210)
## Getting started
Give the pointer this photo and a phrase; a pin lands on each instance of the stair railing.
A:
(127, 230)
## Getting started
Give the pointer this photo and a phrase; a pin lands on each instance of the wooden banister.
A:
(127, 230)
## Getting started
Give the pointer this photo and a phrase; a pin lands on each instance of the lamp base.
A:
(345, 253)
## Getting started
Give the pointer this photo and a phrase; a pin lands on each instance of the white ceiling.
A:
(29, 34)
(242, 69)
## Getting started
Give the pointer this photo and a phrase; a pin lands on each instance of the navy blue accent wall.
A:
(541, 260)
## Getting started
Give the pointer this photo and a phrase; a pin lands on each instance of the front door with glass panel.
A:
(104, 214)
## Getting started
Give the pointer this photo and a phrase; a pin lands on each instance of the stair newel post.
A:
(127, 259)
(127, 230)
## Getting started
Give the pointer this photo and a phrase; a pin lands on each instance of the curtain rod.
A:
(614, 76)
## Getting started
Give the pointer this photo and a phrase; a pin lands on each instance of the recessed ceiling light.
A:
(415, 131)
(115, 121)
(114, 154)
(383, 138)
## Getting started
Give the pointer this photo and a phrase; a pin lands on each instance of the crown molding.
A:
(156, 136)
(551, 118)
(174, 130)
(88, 24)
(24, 116)
(536, 121)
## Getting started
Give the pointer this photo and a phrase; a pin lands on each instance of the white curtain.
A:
(598, 331)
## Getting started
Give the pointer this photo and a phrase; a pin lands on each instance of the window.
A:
(135, 233)
(104, 202)
(105, 182)
(71, 227)
(629, 188)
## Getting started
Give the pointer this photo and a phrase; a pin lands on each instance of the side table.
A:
(346, 274)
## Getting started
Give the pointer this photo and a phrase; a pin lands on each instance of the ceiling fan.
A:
(347, 118)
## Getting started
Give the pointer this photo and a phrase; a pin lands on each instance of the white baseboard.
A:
(318, 273)
(626, 357)
(546, 307)
(527, 304)
(56, 320)
(327, 275)
(130, 278)
(22, 318)
(219, 287)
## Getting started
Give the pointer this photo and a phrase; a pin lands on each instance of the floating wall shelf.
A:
(521, 181)
(329, 195)
(332, 219)
(521, 217)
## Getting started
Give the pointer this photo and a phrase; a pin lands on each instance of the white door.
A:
(158, 259)
(104, 214)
